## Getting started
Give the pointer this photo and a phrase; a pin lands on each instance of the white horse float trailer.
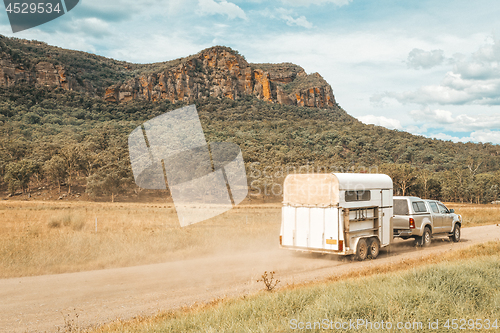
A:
(340, 213)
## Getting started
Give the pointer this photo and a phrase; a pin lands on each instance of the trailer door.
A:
(310, 227)
(331, 237)
(385, 216)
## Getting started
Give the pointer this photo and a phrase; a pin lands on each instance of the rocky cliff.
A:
(220, 72)
(17, 67)
(44, 73)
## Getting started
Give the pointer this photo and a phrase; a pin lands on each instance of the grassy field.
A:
(53, 237)
(475, 215)
(464, 285)
(56, 237)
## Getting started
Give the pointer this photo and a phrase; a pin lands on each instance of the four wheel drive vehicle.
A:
(421, 219)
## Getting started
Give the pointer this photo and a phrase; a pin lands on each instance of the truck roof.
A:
(407, 197)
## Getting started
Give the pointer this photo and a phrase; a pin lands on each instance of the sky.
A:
(430, 68)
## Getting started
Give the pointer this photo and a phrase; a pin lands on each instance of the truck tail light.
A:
(412, 223)
(281, 238)
(341, 245)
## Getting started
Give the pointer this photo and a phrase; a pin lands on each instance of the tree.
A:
(110, 180)
(74, 158)
(18, 174)
(486, 189)
(424, 176)
(403, 176)
(55, 170)
(434, 189)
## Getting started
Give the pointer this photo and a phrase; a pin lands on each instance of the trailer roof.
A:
(323, 189)
(360, 181)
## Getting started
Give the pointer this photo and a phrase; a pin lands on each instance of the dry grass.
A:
(46, 238)
(460, 284)
(475, 215)
(479, 250)
(57, 237)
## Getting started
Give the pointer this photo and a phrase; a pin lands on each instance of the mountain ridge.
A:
(217, 71)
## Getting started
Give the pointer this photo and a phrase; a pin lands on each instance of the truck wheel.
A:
(374, 248)
(456, 234)
(361, 250)
(426, 237)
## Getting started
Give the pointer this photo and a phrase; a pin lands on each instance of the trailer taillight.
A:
(341, 245)
(280, 239)
(412, 223)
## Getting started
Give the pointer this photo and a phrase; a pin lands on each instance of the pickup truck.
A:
(422, 219)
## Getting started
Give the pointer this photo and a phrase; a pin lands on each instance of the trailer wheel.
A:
(374, 248)
(361, 249)
(456, 233)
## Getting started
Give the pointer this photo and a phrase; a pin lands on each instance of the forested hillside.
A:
(61, 137)
(56, 137)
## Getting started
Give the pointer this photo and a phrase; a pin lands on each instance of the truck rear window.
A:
(400, 207)
(419, 207)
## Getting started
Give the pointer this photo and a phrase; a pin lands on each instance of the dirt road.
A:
(38, 304)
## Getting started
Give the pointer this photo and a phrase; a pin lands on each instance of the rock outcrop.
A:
(43, 73)
(217, 72)
(220, 72)
(12, 74)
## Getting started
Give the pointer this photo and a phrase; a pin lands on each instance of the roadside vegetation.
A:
(461, 285)
(476, 215)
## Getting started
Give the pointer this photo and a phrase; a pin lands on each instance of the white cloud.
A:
(432, 94)
(420, 59)
(483, 136)
(158, 46)
(90, 26)
(446, 137)
(473, 80)
(287, 15)
(307, 3)
(453, 90)
(381, 121)
(444, 119)
(439, 116)
(222, 7)
(481, 65)
(300, 21)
